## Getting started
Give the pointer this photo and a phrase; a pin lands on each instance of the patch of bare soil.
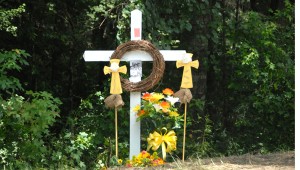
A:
(273, 161)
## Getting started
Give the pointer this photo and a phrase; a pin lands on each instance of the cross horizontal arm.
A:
(96, 55)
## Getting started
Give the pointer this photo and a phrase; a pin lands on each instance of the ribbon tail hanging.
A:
(187, 81)
(163, 148)
(116, 87)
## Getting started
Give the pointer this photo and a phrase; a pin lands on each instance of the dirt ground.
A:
(274, 161)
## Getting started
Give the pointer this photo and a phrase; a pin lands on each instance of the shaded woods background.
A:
(52, 101)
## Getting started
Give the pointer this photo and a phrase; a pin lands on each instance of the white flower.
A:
(114, 67)
(172, 99)
(157, 107)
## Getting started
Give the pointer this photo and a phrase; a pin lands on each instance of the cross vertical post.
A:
(135, 97)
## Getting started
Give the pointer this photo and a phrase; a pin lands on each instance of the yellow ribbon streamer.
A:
(167, 141)
(115, 84)
(187, 81)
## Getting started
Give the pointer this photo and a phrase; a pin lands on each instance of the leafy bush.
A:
(93, 118)
(11, 61)
(24, 121)
(24, 128)
(68, 150)
(256, 111)
(7, 17)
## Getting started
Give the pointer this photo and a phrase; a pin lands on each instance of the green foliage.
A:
(24, 128)
(116, 13)
(7, 16)
(199, 139)
(265, 72)
(260, 89)
(69, 150)
(93, 117)
(11, 61)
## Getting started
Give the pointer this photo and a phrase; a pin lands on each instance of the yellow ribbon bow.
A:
(166, 140)
(114, 69)
(187, 63)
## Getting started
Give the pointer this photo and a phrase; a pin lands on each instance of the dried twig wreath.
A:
(157, 69)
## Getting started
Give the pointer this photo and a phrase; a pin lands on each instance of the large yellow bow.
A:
(166, 140)
(187, 63)
(114, 69)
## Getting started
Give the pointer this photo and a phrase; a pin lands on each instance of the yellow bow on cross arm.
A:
(114, 69)
(166, 140)
(187, 63)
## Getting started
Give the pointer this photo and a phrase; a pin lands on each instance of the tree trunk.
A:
(224, 68)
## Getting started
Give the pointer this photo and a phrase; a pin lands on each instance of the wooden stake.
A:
(116, 128)
(184, 131)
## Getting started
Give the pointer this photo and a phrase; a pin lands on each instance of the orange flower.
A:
(168, 91)
(147, 96)
(165, 106)
(141, 112)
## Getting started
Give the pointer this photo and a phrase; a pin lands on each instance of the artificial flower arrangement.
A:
(160, 116)
(159, 110)
(145, 159)
(159, 113)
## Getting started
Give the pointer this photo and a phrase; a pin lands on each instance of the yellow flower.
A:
(173, 114)
(157, 96)
(145, 159)
(136, 108)
(120, 161)
(157, 162)
(144, 154)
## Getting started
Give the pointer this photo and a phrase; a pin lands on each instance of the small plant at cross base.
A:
(159, 113)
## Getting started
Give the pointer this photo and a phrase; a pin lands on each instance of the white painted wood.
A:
(136, 24)
(96, 55)
(135, 97)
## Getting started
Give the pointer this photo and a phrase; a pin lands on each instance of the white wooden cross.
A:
(135, 58)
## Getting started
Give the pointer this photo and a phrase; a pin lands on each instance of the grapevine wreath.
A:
(157, 68)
